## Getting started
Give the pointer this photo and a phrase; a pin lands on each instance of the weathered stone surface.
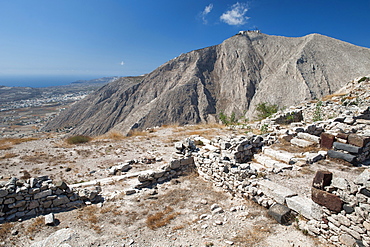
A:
(327, 199)
(58, 238)
(275, 191)
(346, 147)
(309, 137)
(338, 155)
(49, 219)
(347, 240)
(301, 143)
(62, 199)
(3, 193)
(326, 140)
(61, 185)
(363, 177)
(42, 194)
(340, 183)
(280, 213)
(359, 141)
(322, 179)
(304, 206)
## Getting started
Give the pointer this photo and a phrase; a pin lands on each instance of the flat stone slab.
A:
(275, 191)
(271, 163)
(308, 137)
(339, 155)
(346, 147)
(301, 143)
(279, 155)
(304, 206)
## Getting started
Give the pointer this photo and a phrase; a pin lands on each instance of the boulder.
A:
(346, 147)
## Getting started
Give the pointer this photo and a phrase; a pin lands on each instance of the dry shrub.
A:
(115, 135)
(35, 227)
(8, 143)
(160, 219)
(8, 156)
(5, 230)
(137, 133)
(328, 97)
(78, 139)
(88, 214)
(253, 236)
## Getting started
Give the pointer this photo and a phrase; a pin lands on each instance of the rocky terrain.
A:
(232, 77)
(199, 185)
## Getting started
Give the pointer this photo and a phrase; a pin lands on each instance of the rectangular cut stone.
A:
(304, 206)
(275, 191)
(326, 199)
(280, 213)
(309, 137)
(346, 147)
(342, 136)
(326, 140)
(357, 140)
(338, 155)
(301, 143)
(279, 155)
(322, 179)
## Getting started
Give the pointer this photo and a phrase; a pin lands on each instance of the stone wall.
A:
(35, 196)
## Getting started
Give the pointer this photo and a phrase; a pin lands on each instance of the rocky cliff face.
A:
(234, 76)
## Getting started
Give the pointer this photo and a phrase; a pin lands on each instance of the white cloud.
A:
(236, 15)
(205, 12)
(122, 63)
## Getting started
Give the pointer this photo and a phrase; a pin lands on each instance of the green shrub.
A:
(363, 79)
(266, 110)
(317, 115)
(228, 120)
(78, 139)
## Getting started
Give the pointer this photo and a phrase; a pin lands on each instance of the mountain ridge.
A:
(234, 76)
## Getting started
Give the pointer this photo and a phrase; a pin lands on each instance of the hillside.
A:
(234, 76)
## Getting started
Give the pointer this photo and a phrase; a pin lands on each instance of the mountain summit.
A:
(234, 76)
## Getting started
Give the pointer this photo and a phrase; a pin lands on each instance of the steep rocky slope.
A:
(234, 76)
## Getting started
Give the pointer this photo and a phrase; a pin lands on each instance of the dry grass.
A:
(160, 219)
(114, 135)
(254, 235)
(137, 133)
(5, 230)
(8, 143)
(8, 156)
(329, 97)
(35, 227)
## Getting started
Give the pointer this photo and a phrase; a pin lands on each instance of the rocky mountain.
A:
(234, 76)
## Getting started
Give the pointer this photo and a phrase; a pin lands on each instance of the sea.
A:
(42, 80)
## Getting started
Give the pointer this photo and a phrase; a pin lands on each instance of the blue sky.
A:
(85, 39)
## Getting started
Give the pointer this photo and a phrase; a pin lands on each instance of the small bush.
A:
(160, 219)
(226, 120)
(266, 110)
(78, 139)
(317, 115)
(363, 79)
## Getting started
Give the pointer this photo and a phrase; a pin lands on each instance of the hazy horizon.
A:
(44, 80)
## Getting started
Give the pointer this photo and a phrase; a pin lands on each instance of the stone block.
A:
(357, 140)
(42, 194)
(338, 155)
(309, 137)
(342, 136)
(322, 179)
(347, 240)
(347, 147)
(363, 177)
(275, 191)
(340, 183)
(174, 164)
(3, 193)
(326, 140)
(304, 206)
(280, 213)
(326, 199)
(49, 219)
(301, 143)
